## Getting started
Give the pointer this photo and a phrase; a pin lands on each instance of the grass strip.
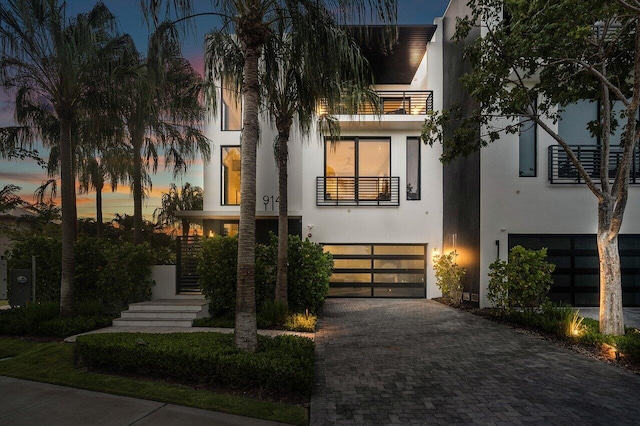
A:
(54, 363)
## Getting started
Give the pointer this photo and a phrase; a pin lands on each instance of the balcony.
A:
(391, 102)
(562, 171)
(357, 191)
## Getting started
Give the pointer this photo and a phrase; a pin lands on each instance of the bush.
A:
(308, 274)
(449, 276)
(272, 314)
(283, 364)
(43, 319)
(48, 260)
(112, 273)
(301, 322)
(217, 268)
(522, 282)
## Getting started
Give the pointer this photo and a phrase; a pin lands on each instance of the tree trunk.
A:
(69, 225)
(186, 227)
(99, 220)
(251, 33)
(611, 316)
(137, 187)
(611, 320)
(283, 217)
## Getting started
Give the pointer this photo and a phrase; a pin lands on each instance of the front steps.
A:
(164, 313)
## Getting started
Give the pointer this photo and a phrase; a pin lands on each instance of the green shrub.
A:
(522, 282)
(449, 276)
(283, 364)
(301, 322)
(65, 327)
(629, 344)
(272, 314)
(109, 272)
(308, 274)
(48, 260)
(217, 268)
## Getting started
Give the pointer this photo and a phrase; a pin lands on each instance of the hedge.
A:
(282, 364)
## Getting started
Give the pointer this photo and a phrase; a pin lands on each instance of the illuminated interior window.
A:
(230, 229)
(230, 175)
(357, 168)
(413, 168)
(231, 109)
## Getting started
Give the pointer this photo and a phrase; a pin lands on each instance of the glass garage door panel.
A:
(378, 270)
(576, 279)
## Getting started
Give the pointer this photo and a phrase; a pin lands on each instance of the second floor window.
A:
(413, 168)
(230, 179)
(528, 148)
(231, 109)
(358, 168)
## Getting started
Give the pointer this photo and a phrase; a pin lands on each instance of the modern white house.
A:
(382, 203)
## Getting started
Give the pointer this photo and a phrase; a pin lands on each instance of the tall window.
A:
(358, 168)
(230, 178)
(231, 109)
(528, 148)
(413, 168)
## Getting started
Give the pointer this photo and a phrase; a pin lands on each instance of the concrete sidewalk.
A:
(23, 402)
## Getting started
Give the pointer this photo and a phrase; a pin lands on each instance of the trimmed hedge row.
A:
(283, 363)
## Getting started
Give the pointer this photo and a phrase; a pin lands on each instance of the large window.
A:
(413, 168)
(358, 169)
(230, 178)
(231, 109)
(528, 148)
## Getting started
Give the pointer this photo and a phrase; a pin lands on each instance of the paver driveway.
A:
(419, 362)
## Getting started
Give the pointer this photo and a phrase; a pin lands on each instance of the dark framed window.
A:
(231, 105)
(230, 175)
(358, 169)
(528, 148)
(413, 168)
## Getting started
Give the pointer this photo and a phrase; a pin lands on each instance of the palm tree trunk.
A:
(136, 140)
(67, 183)
(186, 227)
(283, 214)
(252, 34)
(99, 220)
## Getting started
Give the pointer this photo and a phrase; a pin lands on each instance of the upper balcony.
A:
(562, 171)
(396, 109)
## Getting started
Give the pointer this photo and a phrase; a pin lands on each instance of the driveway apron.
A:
(419, 362)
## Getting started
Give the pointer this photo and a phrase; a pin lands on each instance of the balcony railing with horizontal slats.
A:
(357, 191)
(392, 102)
(562, 171)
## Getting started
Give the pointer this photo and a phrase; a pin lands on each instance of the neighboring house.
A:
(522, 190)
(382, 203)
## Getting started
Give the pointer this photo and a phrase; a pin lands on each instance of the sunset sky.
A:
(29, 175)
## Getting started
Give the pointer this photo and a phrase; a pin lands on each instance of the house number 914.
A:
(270, 200)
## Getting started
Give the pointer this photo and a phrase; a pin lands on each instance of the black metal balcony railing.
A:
(392, 102)
(561, 170)
(357, 191)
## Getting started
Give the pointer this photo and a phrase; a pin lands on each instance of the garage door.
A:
(576, 277)
(378, 270)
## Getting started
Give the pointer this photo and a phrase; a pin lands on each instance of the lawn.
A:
(53, 362)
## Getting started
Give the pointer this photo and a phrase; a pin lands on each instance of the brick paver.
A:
(409, 362)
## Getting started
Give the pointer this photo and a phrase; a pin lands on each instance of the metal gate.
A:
(188, 249)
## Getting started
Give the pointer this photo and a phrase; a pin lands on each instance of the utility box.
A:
(20, 285)
(3, 279)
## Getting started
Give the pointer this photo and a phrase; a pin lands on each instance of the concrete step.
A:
(148, 314)
(164, 313)
(152, 322)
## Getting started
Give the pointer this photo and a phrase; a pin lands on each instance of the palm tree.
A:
(189, 198)
(94, 172)
(296, 78)
(48, 61)
(163, 113)
(252, 22)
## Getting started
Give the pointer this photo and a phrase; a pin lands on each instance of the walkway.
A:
(419, 362)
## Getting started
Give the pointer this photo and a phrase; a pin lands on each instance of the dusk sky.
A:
(29, 176)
